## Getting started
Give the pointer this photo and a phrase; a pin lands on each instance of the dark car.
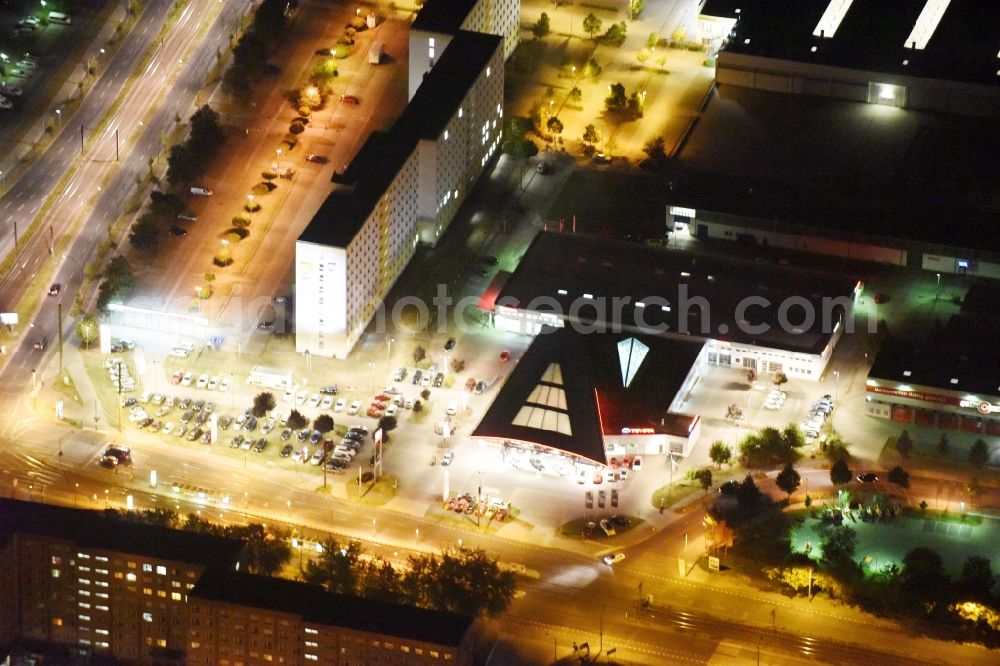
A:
(315, 436)
(41, 343)
(729, 487)
(867, 477)
(438, 380)
(328, 390)
(448, 346)
(55, 289)
(621, 521)
(324, 52)
(303, 435)
(225, 422)
(178, 231)
(286, 434)
(317, 159)
(260, 445)
(194, 434)
(417, 376)
(250, 424)
(237, 442)
(286, 450)
(491, 260)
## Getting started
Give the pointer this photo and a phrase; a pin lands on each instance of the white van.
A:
(202, 191)
(59, 17)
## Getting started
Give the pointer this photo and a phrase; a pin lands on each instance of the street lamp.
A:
(937, 288)
(836, 397)
(59, 117)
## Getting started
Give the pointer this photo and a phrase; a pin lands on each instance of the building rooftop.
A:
(590, 280)
(108, 531)
(977, 374)
(380, 159)
(889, 218)
(570, 389)
(443, 15)
(873, 35)
(314, 604)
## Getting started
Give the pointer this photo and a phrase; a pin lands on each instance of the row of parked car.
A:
(818, 414)
(204, 381)
(21, 69)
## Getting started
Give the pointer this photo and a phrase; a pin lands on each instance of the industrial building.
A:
(934, 55)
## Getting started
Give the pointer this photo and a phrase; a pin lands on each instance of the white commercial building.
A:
(440, 20)
(403, 186)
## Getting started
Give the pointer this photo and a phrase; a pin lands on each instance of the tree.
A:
(592, 24)
(923, 572)
(642, 55)
(592, 70)
(657, 154)
(652, 40)
(387, 425)
(541, 27)
(463, 581)
(182, 166)
(145, 234)
(418, 406)
(616, 99)
(838, 543)
(977, 579)
(780, 378)
(751, 373)
(206, 135)
(899, 476)
(575, 94)
(942, 445)
(788, 479)
(720, 453)
(379, 580)
(615, 34)
(323, 423)
(591, 134)
(457, 365)
(748, 494)
(336, 567)
(323, 73)
(904, 444)
(87, 330)
(425, 394)
(554, 125)
(705, 477)
(262, 404)
(118, 283)
(419, 353)
(634, 7)
(979, 453)
(296, 421)
(840, 473)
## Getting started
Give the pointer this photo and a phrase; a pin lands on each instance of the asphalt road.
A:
(123, 174)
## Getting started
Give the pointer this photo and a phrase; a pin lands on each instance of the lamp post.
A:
(59, 117)
(836, 393)
(34, 387)
(937, 287)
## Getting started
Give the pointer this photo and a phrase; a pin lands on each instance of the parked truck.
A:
(375, 53)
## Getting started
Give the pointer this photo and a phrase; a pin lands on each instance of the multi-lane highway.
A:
(166, 87)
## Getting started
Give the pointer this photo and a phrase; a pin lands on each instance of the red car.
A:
(504, 356)
(177, 377)
(470, 384)
(375, 411)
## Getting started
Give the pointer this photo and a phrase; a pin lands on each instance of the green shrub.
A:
(341, 51)
(242, 220)
(251, 207)
(269, 175)
(236, 234)
(261, 189)
(296, 128)
(305, 111)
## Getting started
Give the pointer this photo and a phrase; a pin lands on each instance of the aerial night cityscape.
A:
(499, 332)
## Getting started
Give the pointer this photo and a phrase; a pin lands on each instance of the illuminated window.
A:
(56, 560)
(147, 590)
(161, 570)
(100, 558)
(84, 618)
(161, 642)
(83, 556)
(55, 573)
(176, 596)
(147, 617)
(489, 70)
(147, 567)
(311, 631)
(130, 577)
(57, 622)
(312, 657)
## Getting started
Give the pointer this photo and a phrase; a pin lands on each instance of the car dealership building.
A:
(624, 332)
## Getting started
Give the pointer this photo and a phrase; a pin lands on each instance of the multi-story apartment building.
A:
(99, 585)
(104, 586)
(440, 20)
(404, 186)
(240, 619)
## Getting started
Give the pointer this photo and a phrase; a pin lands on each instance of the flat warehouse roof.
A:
(873, 35)
(975, 373)
(595, 281)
